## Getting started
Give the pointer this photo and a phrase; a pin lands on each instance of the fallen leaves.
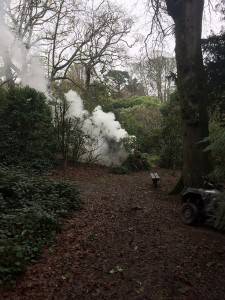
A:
(117, 269)
(127, 243)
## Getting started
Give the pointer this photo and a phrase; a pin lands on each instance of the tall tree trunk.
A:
(88, 77)
(192, 87)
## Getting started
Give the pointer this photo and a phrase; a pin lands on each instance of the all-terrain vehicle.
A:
(200, 204)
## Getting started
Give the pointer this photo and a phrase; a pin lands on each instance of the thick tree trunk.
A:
(192, 87)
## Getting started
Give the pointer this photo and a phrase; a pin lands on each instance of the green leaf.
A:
(119, 269)
(66, 275)
(211, 264)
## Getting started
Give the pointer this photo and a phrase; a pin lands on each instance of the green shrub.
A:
(121, 170)
(144, 122)
(140, 116)
(219, 214)
(171, 140)
(154, 159)
(26, 130)
(133, 101)
(170, 153)
(216, 144)
(30, 211)
(137, 162)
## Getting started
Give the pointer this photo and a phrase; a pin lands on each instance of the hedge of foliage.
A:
(31, 208)
(140, 116)
(26, 131)
(133, 101)
(137, 162)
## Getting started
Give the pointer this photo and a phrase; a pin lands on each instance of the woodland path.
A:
(127, 243)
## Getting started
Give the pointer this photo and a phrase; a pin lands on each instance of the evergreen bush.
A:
(137, 162)
(171, 141)
(26, 130)
(121, 170)
(216, 142)
(30, 211)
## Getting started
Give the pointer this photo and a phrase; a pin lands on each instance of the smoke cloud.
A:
(15, 61)
(103, 129)
(34, 76)
(105, 132)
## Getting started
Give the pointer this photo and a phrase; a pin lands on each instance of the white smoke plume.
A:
(34, 76)
(14, 58)
(103, 128)
(76, 105)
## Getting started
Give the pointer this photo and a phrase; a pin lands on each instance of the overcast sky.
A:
(211, 21)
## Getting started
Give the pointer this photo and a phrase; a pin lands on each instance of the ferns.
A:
(216, 145)
(220, 215)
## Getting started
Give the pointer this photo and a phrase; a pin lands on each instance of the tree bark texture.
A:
(192, 87)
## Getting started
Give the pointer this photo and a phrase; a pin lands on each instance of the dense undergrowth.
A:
(31, 209)
(134, 162)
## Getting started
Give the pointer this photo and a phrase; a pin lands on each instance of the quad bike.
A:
(200, 204)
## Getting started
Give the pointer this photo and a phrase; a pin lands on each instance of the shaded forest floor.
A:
(127, 243)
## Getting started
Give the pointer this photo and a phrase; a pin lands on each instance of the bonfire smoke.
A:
(103, 128)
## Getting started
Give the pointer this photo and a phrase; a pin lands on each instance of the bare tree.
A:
(108, 44)
(159, 69)
(27, 19)
(24, 22)
(154, 70)
(67, 32)
(94, 38)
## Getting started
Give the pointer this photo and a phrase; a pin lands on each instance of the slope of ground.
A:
(127, 243)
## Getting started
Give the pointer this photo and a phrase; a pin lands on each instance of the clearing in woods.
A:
(127, 243)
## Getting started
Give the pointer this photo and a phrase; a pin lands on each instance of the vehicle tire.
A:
(190, 214)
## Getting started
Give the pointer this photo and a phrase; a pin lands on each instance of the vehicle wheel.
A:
(190, 213)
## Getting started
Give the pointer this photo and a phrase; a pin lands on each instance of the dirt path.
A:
(127, 243)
